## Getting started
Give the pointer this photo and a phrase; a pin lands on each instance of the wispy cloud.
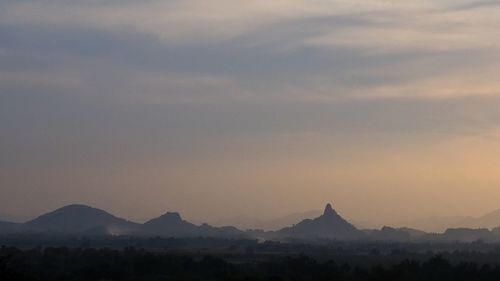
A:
(135, 85)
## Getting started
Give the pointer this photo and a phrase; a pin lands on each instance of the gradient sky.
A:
(388, 109)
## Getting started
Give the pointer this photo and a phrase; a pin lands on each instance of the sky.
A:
(222, 108)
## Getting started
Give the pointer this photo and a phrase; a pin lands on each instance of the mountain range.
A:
(85, 220)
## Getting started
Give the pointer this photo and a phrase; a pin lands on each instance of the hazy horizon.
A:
(436, 224)
(219, 109)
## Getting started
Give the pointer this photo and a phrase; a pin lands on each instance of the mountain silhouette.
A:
(330, 225)
(172, 224)
(80, 218)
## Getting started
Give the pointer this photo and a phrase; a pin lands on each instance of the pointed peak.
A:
(328, 209)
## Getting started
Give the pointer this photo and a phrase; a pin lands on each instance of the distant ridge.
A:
(249, 222)
(489, 220)
(440, 224)
(330, 225)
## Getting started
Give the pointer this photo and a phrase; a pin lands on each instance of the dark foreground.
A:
(208, 259)
(106, 264)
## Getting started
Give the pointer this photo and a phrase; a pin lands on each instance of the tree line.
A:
(62, 263)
